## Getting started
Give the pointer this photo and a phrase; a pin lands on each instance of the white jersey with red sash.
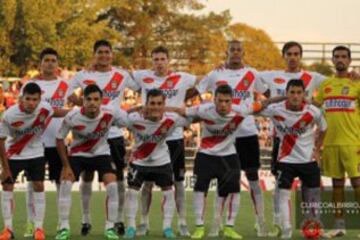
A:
(90, 134)
(113, 84)
(23, 131)
(173, 86)
(218, 132)
(55, 92)
(295, 130)
(150, 148)
(245, 82)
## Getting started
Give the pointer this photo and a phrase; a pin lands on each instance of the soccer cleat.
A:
(29, 230)
(261, 230)
(142, 229)
(63, 234)
(110, 234)
(7, 234)
(199, 233)
(183, 230)
(334, 233)
(286, 233)
(120, 228)
(85, 229)
(229, 232)
(130, 233)
(39, 234)
(276, 232)
(169, 233)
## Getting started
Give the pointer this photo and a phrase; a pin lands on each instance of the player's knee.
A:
(338, 182)
(252, 175)
(166, 188)
(109, 178)
(225, 190)
(38, 186)
(148, 186)
(87, 176)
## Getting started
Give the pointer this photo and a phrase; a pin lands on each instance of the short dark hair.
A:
(296, 83)
(92, 88)
(48, 51)
(224, 89)
(31, 88)
(289, 45)
(154, 93)
(341, 47)
(160, 49)
(101, 43)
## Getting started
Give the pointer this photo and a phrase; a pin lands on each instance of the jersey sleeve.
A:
(319, 78)
(130, 82)
(64, 128)
(319, 98)
(182, 121)
(260, 85)
(121, 118)
(75, 83)
(190, 79)
(4, 127)
(320, 121)
(137, 75)
(268, 111)
(204, 84)
(192, 112)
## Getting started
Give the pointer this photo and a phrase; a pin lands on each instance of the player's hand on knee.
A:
(317, 157)
(67, 174)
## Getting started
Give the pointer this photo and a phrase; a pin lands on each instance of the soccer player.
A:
(54, 91)
(244, 81)
(294, 121)
(24, 124)
(89, 150)
(150, 159)
(277, 81)
(174, 86)
(113, 82)
(339, 96)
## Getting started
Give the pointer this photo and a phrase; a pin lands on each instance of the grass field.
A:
(244, 223)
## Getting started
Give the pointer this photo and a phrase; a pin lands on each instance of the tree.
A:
(321, 67)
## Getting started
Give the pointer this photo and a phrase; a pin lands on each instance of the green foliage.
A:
(321, 67)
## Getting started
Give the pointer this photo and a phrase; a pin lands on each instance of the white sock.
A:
(199, 207)
(132, 206)
(64, 204)
(29, 197)
(146, 197)
(7, 207)
(219, 206)
(121, 192)
(311, 196)
(285, 210)
(168, 207)
(39, 209)
(112, 204)
(276, 205)
(258, 201)
(85, 194)
(180, 201)
(233, 200)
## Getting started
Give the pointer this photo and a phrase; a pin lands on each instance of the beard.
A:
(340, 67)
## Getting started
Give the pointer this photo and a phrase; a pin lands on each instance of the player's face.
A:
(160, 62)
(295, 95)
(292, 58)
(155, 107)
(30, 101)
(103, 56)
(223, 103)
(341, 60)
(234, 53)
(49, 64)
(92, 103)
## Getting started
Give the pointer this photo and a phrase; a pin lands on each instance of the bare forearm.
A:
(180, 111)
(320, 139)
(4, 159)
(61, 148)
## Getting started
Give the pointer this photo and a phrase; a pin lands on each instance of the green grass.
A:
(244, 223)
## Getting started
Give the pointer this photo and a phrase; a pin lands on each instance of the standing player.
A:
(174, 86)
(54, 91)
(89, 150)
(150, 158)
(294, 121)
(277, 81)
(339, 96)
(24, 124)
(113, 82)
(244, 81)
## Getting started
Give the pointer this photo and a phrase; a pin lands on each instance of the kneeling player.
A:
(24, 123)
(150, 159)
(294, 121)
(89, 151)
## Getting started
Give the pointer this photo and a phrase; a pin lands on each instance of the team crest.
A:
(163, 130)
(170, 84)
(302, 124)
(103, 124)
(345, 90)
(61, 93)
(246, 82)
(42, 118)
(232, 126)
(114, 85)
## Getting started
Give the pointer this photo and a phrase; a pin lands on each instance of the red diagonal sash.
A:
(112, 85)
(244, 85)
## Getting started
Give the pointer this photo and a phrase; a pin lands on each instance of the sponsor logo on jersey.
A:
(327, 89)
(89, 82)
(221, 82)
(339, 103)
(279, 118)
(345, 90)
(55, 103)
(17, 124)
(151, 138)
(279, 80)
(30, 130)
(148, 80)
(169, 93)
(241, 94)
(79, 127)
(291, 130)
(139, 127)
